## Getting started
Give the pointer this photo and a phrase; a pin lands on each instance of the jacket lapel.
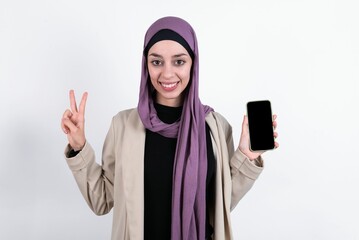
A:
(133, 170)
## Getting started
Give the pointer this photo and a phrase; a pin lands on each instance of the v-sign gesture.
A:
(73, 122)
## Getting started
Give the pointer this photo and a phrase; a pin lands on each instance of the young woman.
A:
(169, 168)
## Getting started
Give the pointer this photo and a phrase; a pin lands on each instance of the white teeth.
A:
(170, 85)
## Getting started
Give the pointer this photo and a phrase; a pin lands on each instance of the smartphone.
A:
(260, 123)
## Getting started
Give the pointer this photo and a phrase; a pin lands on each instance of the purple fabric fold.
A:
(190, 165)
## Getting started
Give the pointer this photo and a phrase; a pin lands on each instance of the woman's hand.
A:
(244, 140)
(73, 122)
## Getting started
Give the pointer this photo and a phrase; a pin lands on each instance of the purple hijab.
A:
(190, 164)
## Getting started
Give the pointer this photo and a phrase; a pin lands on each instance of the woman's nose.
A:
(168, 71)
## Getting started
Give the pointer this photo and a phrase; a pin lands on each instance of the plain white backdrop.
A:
(302, 55)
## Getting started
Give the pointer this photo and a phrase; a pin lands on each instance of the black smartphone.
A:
(260, 123)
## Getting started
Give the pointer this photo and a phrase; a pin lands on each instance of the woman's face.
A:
(169, 66)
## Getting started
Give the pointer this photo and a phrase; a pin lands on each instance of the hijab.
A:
(190, 163)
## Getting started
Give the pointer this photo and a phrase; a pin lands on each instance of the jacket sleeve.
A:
(244, 172)
(95, 181)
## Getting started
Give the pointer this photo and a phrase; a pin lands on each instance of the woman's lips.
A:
(169, 86)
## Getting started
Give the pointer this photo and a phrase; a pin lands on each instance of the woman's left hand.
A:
(244, 140)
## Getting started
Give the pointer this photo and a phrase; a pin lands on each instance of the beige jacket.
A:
(118, 183)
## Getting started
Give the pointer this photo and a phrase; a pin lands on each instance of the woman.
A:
(169, 169)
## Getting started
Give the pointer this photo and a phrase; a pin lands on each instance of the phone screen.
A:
(260, 125)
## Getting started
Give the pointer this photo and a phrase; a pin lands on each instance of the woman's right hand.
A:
(73, 122)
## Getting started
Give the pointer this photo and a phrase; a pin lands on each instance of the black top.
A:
(158, 173)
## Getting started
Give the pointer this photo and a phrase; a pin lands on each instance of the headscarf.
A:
(190, 163)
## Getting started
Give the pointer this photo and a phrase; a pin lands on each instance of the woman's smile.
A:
(169, 86)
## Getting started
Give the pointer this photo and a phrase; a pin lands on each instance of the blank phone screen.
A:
(260, 125)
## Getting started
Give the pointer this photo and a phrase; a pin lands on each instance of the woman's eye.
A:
(156, 62)
(179, 62)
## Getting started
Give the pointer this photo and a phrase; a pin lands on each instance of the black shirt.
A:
(158, 173)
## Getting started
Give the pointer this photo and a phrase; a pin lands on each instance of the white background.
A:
(302, 55)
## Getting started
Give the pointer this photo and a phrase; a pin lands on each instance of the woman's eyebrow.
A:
(179, 55)
(155, 55)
